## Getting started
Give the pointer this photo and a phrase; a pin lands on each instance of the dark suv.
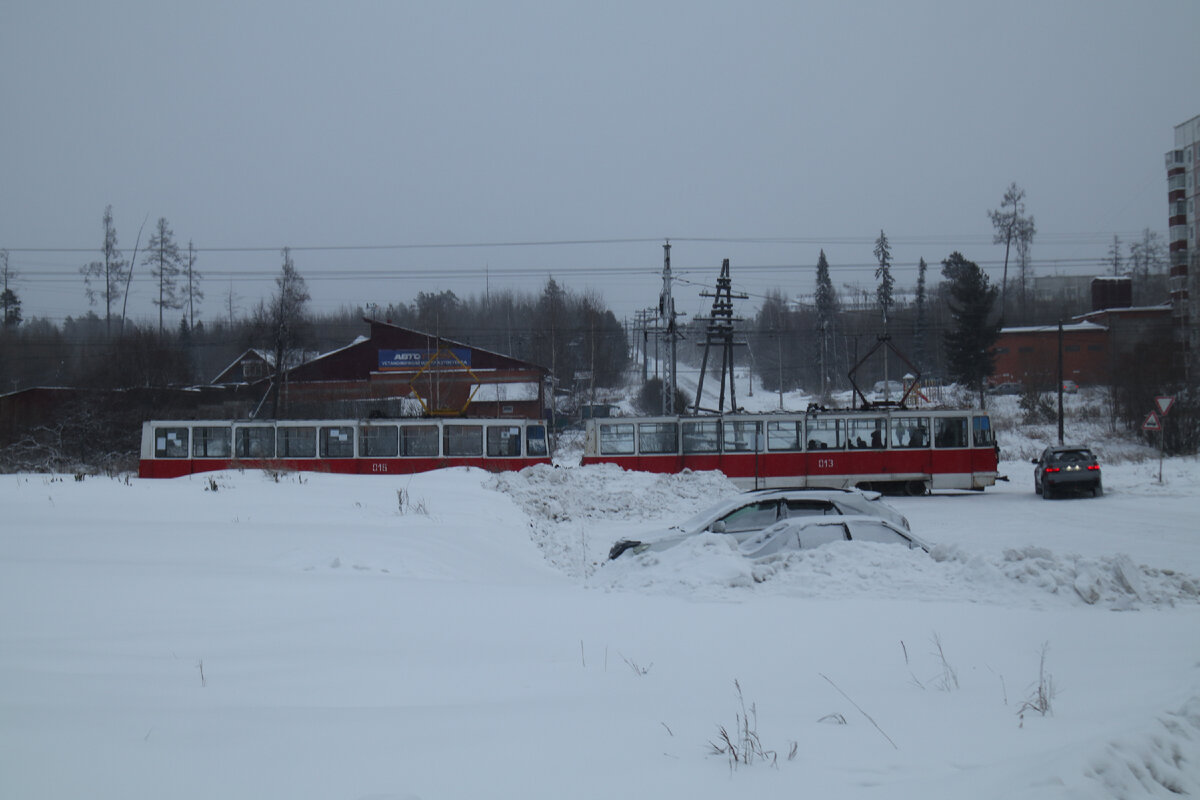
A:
(1066, 468)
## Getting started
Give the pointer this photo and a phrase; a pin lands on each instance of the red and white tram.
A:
(885, 449)
(376, 446)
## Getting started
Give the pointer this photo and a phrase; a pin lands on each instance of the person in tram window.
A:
(876, 440)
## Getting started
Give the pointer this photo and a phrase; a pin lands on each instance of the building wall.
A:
(1029, 356)
(1183, 191)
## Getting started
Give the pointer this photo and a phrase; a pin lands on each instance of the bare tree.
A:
(110, 273)
(282, 322)
(1114, 255)
(1012, 228)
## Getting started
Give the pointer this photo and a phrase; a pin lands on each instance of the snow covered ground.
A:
(458, 635)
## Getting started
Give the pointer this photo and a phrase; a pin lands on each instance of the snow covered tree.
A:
(112, 273)
(969, 355)
(166, 263)
(885, 292)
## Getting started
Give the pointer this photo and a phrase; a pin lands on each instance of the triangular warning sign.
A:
(1164, 404)
(1151, 423)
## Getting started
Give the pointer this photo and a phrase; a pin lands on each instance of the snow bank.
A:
(569, 509)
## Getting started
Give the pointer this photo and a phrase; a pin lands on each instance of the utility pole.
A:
(1060, 382)
(720, 332)
(666, 312)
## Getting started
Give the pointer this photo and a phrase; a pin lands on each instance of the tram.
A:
(375, 446)
(886, 449)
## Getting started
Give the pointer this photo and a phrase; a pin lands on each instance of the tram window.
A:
(910, 432)
(824, 434)
(337, 442)
(658, 437)
(984, 435)
(535, 440)
(422, 441)
(210, 442)
(783, 435)
(617, 439)
(255, 442)
(170, 442)
(701, 437)
(462, 440)
(742, 437)
(950, 432)
(866, 433)
(378, 441)
(296, 442)
(503, 441)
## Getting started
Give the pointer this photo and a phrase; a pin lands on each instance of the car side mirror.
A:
(718, 526)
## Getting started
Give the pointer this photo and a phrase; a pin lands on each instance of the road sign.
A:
(1151, 423)
(1164, 404)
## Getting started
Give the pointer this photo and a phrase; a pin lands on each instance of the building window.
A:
(1095, 348)
(1001, 351)
(1024, 349)
(1072, 348)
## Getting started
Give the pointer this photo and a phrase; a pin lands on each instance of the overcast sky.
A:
(579, 136)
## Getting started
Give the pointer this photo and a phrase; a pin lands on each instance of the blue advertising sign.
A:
(452, 358)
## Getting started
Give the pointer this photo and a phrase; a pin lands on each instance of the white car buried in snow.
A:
(802, 533)
(753, 512)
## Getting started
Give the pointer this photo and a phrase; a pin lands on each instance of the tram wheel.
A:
(915, 488)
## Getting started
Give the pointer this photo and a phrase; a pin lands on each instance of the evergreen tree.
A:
(112, 273)
(969, 355)
(166, 263)
(922, 323)
(191, 284)
(10, 304)
(826, 301)
(885, 292)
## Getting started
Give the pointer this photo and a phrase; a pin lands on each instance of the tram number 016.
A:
(824, 463)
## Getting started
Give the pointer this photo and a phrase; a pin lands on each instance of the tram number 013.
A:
(824, 463)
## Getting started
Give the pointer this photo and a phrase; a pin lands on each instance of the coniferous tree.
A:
(969, 355)
(827, 310)
(10, 304)
(165, 262)
(922, 323)
(885, 292)
(112, 273)
(191, 284)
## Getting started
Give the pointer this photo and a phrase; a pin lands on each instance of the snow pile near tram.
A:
(577, 513)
